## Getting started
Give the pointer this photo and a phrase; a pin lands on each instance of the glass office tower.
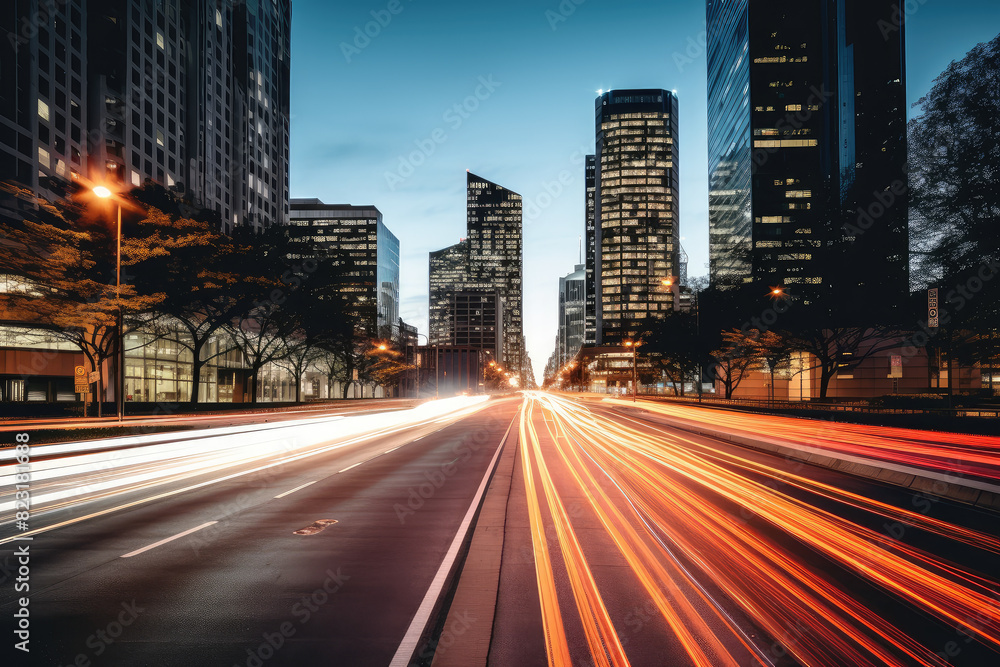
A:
(495, 256)
(807, 136)
(636, 208)
(353, 236)
(590, 228)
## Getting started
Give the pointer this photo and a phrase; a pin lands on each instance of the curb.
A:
(468, 626)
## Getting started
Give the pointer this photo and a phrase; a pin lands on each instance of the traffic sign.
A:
(79, 371)
(81, 387)
(94, 376)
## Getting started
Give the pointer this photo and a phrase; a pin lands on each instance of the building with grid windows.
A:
(448, 273)
(192, 95)
(590, 231)
(355, 237)
(477, 321)
(636, 209)
(572, 318)
(807, 150)
(487, 264)
(495, 256)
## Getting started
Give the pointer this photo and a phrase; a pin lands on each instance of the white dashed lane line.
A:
(169, 539)
(291, 491)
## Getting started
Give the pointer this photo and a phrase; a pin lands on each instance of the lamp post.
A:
(105, 193)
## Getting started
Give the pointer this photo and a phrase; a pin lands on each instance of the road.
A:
(649, 545)
(628, 540)
(237, 585)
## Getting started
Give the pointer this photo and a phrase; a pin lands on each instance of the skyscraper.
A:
(354, 237)
(193, 95)
(807, 139)
(487, 262)
(590, 229)
(495, 256)
(636, 202)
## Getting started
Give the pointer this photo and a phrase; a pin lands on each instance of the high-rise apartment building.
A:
(353, 237)
(636, 209)
(193, 95)
(807, 149)
(590, 231)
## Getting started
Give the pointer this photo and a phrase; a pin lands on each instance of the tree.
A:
(954, 164)
(733, 360)
(63, 265)
(674, 347)
(321, 321)
(209, 279)
(771, 348)
(388, 365)
(840, 348)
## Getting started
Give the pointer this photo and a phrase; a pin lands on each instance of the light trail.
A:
(70, 473)
(750, 540)
(951, 453)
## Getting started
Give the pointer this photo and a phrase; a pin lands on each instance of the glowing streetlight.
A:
(104, 193)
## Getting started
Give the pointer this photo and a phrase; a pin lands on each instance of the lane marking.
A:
(353, 466)
(409, 643)
(169, 539)
(282, 495)
(315, 527)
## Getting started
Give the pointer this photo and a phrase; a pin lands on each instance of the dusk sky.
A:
(364, 113)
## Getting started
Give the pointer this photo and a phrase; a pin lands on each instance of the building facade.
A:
(356, 238)
(636, 209)
(448, 273)
(590, 234)
(495, 256)
(807, 149)
(192, 95)
(572, 314)
(477, 321)
(486, 265)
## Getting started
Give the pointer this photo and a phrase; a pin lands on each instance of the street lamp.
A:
(104, 193)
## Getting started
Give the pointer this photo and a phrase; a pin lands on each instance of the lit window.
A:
(43, 110)
(43, 157)
(159, 39)
(159, 137)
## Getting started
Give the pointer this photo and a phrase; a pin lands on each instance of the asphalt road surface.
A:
(328, 540)
(329, 573)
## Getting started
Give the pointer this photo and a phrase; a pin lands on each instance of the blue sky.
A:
(507, 91)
